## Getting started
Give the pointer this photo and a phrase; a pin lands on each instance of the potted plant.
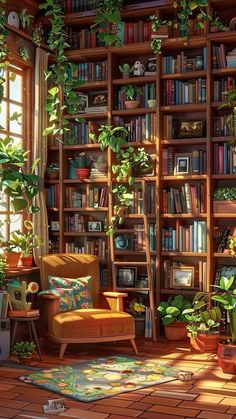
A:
(131, 92)
(215, 24)
(137, 309)
(26, 19)
(227, 348)
(224, 200)
(203, 325)
(126, 70)
(132, 163)
(24, 351)
(26, 242)
(109, 136)
(82, 164)
(52, 171)
(173, 319)
(2, 270)
(11, 254)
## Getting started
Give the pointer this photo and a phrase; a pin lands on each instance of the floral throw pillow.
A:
(81, 288)
(66, 295)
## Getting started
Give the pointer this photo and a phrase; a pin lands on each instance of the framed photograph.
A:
(82, 102)
(182, 164)
(190, 129)
(123, 242)
(182, 277)
(126, 277)
(94, 226)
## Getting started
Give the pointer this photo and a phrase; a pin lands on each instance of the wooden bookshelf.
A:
(206, 111)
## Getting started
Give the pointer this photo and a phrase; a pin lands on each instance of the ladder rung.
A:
(129, 263)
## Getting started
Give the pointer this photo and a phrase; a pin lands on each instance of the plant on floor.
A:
(225, 194)
(24, 349)
(171, 311)
(24, 53)
(108, 16)
(62, 98)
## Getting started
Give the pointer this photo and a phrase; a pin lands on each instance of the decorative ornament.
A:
(185, 375)
(13, 20)
(138, 68)
(18, 292)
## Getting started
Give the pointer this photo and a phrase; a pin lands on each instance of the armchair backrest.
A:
(71, 265)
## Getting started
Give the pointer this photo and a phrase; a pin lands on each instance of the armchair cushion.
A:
(92, 323)
(81, 289)
(67, 298)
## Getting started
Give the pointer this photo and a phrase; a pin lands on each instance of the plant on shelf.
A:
(131, 92)
(184, 12)
(19, 186)
(227, 299)
(52, 171)
(173, 319)
(109, 136)
(37, 34)
(230, 98)
(26, 242)
(11, 252)
(225, 194)
(159, 28)
(132, 162)
(126, 70)
(215, 23)
(82, 165)
(203, 324)
(3, 266)
(108, 16)
(24, 351)
(24, 53)
(26, 19)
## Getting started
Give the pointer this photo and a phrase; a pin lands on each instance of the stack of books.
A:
(96, 109)
(98, 173)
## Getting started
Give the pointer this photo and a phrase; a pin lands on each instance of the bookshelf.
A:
(190, 93)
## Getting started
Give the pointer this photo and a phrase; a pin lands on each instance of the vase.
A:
(53, 175)
(152, 103)
(227, 357)
(27, 261)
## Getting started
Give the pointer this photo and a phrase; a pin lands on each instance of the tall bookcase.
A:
(186, 174)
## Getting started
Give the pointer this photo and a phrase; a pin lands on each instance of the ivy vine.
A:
(4, 51)
(107, 21)
(62, 98)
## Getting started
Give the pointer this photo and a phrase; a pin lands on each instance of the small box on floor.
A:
(54, 406)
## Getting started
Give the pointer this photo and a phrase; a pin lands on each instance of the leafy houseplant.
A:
(224, 200)
(26, 19)
(108, 16)
(137, 309)
(26, 242)
(24, 351)
(159, 27)
(109, 136)
(82, 164)
(227, 299)
(52, 171)
(126, 70)
(2, 270)
(131, 92)
(171, 313)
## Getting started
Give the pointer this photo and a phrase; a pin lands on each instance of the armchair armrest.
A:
(115, 300)
(51, 305)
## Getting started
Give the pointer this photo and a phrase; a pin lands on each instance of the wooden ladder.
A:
(146, 262)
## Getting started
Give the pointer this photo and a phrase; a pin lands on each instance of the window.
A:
(15, 100)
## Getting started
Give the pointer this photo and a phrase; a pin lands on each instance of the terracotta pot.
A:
(25, 361)
(27, 261)
(213, 29)
(83, 173)
(132, 104)
(227, 357)
(12, 259)
(205, 342)
(53, 175)
(176, 331)
(125, 75)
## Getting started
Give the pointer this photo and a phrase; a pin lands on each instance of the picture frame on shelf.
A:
(123, 242)
(182, 277)
(83, 102)
(126, 277)
(142, 281)
(189, 129)
(94, 226)
(182, 165)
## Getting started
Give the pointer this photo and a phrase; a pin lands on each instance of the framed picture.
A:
(182, 277)
(142, 281)
(82, 102)
(123, 242)
(182, 164)
(126, 277)
(190, 129)
(94, 226)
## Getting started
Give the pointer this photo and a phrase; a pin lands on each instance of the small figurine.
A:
(138, 69)
(185, 375)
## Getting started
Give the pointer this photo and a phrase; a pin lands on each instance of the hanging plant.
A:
(157, 23)
(107, 21)
(62, 98)
(37, 34)
(185, 9)
(4, 51)
(230, 122)
(24, 53)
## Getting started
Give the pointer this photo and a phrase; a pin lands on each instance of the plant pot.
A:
(126, 75)
(176, 331)
(152, 103)
(53, 175)
(83, 173)
(12, 259)
(224, 207)
(25, 361)
(227, 357)
(132, 104)
(213, 29)
(27, 261)
(205, 342)
(139, 326)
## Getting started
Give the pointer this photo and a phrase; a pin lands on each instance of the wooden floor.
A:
(211, 394)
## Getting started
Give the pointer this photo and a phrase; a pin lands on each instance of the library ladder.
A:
(146, 262)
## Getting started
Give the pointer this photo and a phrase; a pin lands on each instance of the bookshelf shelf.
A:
(184, 177)
(191, 107)
(95, 85)
(134, 80)
(86, 54)
(188, 254)
(86, 209)
(227, 176)
(221, 139)
(224, 72)
(85, 181)
(222, 255)
(179, 291)
(138, 111)
(224, 215)
(185, 75)
(93, 115)
(51, 182)
(81, 147)
(200, 215)
(191, 141)
(131, 289)
(84, 233)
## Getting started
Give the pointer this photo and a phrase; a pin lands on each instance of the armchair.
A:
(105, 322)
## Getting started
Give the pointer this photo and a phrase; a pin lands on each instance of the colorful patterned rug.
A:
(102, 377)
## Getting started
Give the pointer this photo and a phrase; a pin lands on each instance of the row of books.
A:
(4, 301)
(223, 59)
(183, 163)
(221, 127)
(187, 199)
(74, 6)
(96, 198)
(148, 91)
(221, 86)
(136, 202)
(79, 132)
(195, 28)
(183, 238)
(97, 247)
(224, 159)
(177, 92)
(200, 274)
(182, 63)
(141, 128)
(138, 243)
(52, 196)
(91, 72)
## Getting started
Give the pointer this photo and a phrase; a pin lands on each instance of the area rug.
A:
(102, 377)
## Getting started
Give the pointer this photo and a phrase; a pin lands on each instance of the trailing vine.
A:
(4, 51)
(107, 21)
(62, 98)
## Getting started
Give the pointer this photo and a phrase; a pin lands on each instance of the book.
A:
(23, 313)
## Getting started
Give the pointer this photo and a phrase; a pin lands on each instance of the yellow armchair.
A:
(105, 322)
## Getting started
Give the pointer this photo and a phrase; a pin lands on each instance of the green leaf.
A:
(54, 91)
(18, 204)
(224, 283)
(173, 311)
(48, 130)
